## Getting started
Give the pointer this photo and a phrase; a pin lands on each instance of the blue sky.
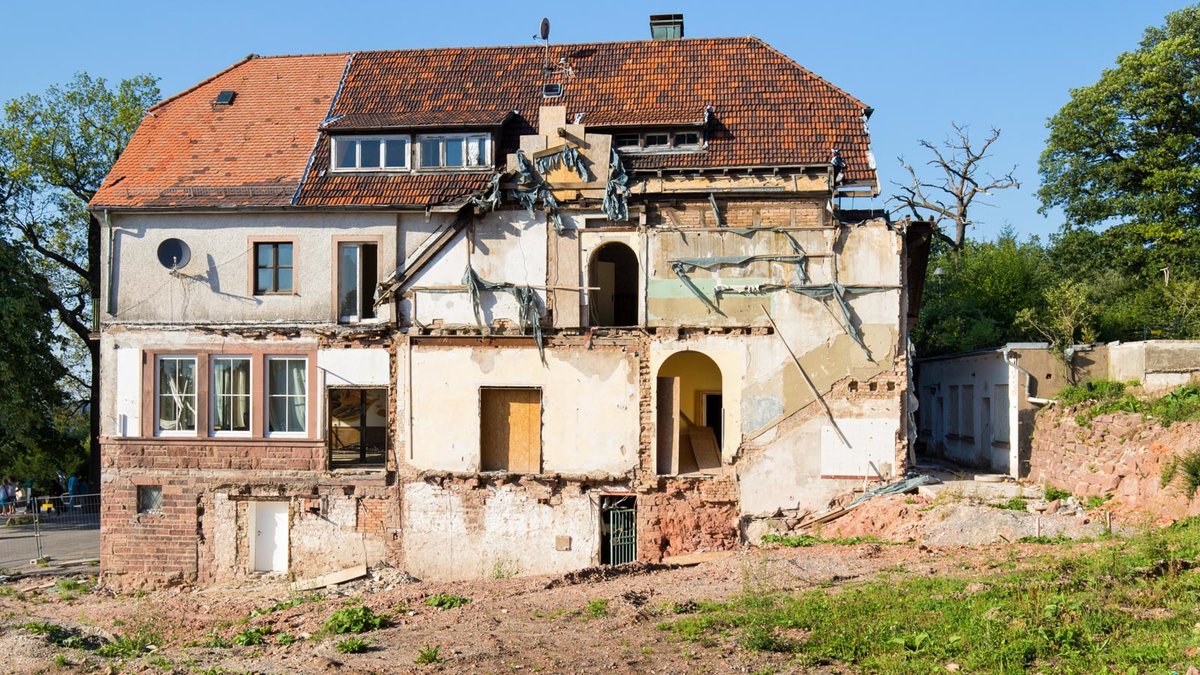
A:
(920, 64)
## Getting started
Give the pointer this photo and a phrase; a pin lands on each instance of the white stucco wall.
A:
(589, 405)
(362, 367)
(499, 531)
(215, 285)
(984, 372)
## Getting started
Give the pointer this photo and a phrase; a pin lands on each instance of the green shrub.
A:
(429, 654)
(353, 646)
(598, 608)
(358, 619)
(445, 601)
(1098, 391)
(285, 639)
(1178, 406)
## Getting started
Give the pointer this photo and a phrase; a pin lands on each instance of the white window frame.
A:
(212, 393)
(186, 433)
(671, 146)
(268, 395)
(467, 138)
(335, 141)
(365, 295)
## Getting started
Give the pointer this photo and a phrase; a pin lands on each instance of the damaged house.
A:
(506, 309)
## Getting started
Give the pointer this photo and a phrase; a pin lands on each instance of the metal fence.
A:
(65, 527)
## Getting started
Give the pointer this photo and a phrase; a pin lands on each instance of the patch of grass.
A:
(1095, 501)
(1186, 467)
(285, 639)
(131, 645)
(1014, 504)
(1043, 539)
(61, 636)
(1106, 396)
(429, 654)
(445, 601)
(250, 637)
(805, 540)
(353, 646)
(1053, 493)
(1127, 605)
(214, 640)
(10, 592)
(61, 661)
(295, 601)
(358, 619)
(598, 608)
(161, 662)
(1095, 391)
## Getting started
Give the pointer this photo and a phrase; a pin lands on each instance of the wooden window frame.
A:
(252, 273)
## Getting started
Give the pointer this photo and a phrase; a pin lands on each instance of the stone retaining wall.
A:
(1118, 454)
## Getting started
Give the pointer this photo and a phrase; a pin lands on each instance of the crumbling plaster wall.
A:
(506, 246)
(589, 404)
(473, 528)
(215, 286)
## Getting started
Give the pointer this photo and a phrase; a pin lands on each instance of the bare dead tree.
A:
(948, 197)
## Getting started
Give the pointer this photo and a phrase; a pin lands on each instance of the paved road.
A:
(63, 538)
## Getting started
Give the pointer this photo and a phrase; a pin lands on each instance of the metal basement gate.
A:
(618, 529)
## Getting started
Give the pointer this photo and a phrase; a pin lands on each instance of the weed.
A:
(1053, 493)
(764, 638)
(60, 636)
(288, 604)
(503, 569)
(249, 637)
(61, 661)
(10, 592)
(215, 641)
(131, 645)
(359, 619)
(285, 639)
(1014, 504)
(444, 601)
(1187, 467)
(1095, 501)
(353, 646)
(598, 608)
(161, 662)
(1095, 391)
(429, 654)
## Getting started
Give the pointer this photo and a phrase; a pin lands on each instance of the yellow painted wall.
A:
(697, 372)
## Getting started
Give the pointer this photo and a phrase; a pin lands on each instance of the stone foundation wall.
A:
(688, 515)
(1118, 454)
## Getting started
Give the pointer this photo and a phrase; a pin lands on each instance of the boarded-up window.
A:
(1000, 410)
(510, 430)
(968, 411)
(954, 421)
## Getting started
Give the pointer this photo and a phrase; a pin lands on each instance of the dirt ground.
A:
(533, 624)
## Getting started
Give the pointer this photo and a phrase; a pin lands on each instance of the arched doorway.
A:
(613, 276)
(690, 413)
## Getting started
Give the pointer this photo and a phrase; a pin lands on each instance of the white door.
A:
(270, 536)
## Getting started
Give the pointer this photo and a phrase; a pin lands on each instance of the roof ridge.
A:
(797, 64)
(521, 46)
(194, 87)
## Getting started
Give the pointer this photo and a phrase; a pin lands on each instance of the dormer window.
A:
(659, 140)
(454, 151)
(370, 153)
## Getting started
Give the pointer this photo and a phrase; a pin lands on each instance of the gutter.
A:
(1006, 351)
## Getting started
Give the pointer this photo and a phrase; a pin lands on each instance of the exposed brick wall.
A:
(686, 515)
(153, 454)
(154, 548)
(1118, 454)
(698, 213)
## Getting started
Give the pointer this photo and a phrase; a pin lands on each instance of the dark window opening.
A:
(273, 268)
(613, 278)
(358, 270)
(618, 529)
(358, 427)
(149, 499)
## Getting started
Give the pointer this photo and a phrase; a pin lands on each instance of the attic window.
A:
(454, 151)
(370, 153)
(659, 140)
(552, 90)
(225, 98)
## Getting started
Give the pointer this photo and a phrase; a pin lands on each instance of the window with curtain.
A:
(231, 394)
(287, 395)
(176, 394)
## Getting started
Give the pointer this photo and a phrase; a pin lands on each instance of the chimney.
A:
(666, 26)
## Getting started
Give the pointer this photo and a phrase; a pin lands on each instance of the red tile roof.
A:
(766, 111)
(189, 152)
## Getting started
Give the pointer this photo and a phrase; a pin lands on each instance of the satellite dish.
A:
(173, 254)
(545, 31)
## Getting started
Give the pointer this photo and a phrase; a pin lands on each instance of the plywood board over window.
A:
(510, 421)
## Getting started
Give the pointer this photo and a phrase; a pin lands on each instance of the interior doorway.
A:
(613, 277)
(690, 414)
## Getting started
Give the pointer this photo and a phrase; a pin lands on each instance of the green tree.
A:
(1066, 316)
(55, 149)
(973, 295)
(1123, 156)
